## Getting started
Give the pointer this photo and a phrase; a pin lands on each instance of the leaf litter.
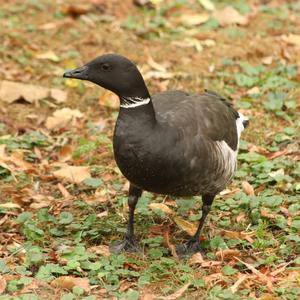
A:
(61, 227)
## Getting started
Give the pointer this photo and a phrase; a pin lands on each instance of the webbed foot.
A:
(126, 245)
(189, 248)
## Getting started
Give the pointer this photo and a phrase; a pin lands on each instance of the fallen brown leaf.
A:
(73, 174)
(265, 213)
(155, 65)
(229, 16)
(227, 253)
(2, 151)
(260, 275)
(253, 91)
(197, 258)
(212, 277)
(280, 269)
(186, 226)
(248, 188)
(58, 95)
(62, 117)
(10, 205)
(33, 286)
(162, 207)
(267, 60)
(148, 296)
(277, 154)
(3, 220)
(192, 19)
(102, 214)
(257, 149)
(109, 99)
(65, 153)
(49, 55)
(177, 294)
(2, 284)
(241, 217)
(68, 282)
(101, 249)
(11, 91)
(207, 4)
(292, 39)
(17, 158)
(269, 297)
(64, 191)
(39, 201)
(238, 235)
(166, 235)
(125, 285)
(210, 263)
(285, 211)
(76, 10)
(236, 285)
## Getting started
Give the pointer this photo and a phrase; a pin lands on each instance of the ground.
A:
(57, 221)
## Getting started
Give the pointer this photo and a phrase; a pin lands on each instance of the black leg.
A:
(192, 246)
(129, 243)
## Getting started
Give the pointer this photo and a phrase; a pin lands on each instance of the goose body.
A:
(190, 150)
(172, 143)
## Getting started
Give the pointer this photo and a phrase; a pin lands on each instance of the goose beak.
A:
(79, 73)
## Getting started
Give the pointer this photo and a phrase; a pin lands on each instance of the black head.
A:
(113, 72)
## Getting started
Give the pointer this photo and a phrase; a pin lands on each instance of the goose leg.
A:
(129, 243)
(192, 245)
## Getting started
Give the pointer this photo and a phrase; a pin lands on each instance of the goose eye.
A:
(105, 67)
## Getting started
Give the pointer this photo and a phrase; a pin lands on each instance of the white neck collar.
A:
(130, 102)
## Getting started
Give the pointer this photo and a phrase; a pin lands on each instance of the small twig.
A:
(276, 272)
(234, 287)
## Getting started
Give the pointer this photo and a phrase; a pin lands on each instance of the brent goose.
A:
(171, 143)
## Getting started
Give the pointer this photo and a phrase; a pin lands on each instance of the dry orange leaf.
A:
(163, 207)
(65, 153)
(248, 188)
(73, 174)
(186, 226)
(68, 282)
(229, 16)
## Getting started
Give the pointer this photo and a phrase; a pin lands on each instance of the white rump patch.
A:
(130, 102)
(227, 158)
